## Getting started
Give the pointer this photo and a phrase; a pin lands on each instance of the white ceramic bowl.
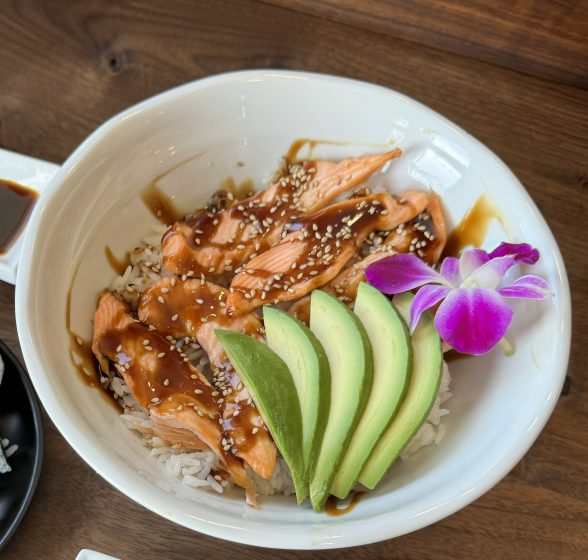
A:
(500, 404)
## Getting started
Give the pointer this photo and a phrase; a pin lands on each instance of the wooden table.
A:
(514, 74)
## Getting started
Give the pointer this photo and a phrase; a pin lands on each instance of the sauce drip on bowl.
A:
(84, 361)
(240, 191)
(332, 506)
(159, 204)
(16, 204)
(473, 227)
(118, 265)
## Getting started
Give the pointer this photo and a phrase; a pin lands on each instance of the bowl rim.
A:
(286, 539)
(27, 498)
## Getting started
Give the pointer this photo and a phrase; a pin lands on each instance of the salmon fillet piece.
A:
(343, 286)
(425, 235)
(212, 243)
(170, 389)
(317, 248)
(194, 308)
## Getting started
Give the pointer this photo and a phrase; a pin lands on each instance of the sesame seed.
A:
(198, 391)
(166, 382)
(148, 348)
(160, 299)
(199, 301)
(174, 317)
(119, 348)
(155, 399)
(255, 430)
(161, 355)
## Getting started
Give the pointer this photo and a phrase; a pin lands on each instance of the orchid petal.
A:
(473, 320)
(470, 260)
(401, 273)
(520, 252)
(426, 297)
(527, 287)
(450, 271)
(490, 274)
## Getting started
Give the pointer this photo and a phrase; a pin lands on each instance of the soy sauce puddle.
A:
(16, 205)
(335, 507)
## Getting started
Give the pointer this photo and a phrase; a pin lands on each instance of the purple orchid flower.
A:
(474, 314)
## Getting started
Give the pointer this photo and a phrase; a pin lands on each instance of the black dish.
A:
(21, 423)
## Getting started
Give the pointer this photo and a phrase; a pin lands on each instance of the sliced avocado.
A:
(272, 389)
(301, 351)
(427, 365)
(350, 358)
(390, 340)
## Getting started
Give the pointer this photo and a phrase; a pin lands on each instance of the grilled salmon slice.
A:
(170, 389)
(343, 286)
(194, 308)
(212, 243)
(425, 235)
(317, 248)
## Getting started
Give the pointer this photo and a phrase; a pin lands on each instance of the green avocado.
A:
(392, 351)
(301, 351)
(272, 389)
(423, 389)
(350, 359)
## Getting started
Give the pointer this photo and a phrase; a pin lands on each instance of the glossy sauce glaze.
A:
(417, 236)
(194, 308)
(316, 247)
(161, 378)
(157, 372)
(472, 229)
(16, 204)
(332, 506)
(240, 232)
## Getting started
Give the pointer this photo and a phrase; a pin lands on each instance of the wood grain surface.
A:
(514, 74)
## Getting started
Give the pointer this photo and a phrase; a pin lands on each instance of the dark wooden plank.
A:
(539, 37)
(67, 66)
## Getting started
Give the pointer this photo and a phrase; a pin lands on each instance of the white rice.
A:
(196, 469)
